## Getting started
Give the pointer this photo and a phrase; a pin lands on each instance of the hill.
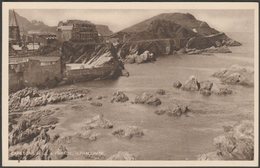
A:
(184, 19)
(39, 26)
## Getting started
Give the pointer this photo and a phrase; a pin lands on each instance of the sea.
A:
(165, 137)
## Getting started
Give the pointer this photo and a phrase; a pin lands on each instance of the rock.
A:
(119, 96)
(128, 132)
(160, 92)
(181, 51)
(191, 85)
(23, 132)
(160, 111)
(55, 137)
(192, 52)
(205, 88)
(122, 156)
(206, 85)
(205, 92)
(65, 140)
(177, 110)
(231, 42)
(221, 90)
(236, 144)
(37, 149)
(89, 98)
(87, 135)
(177, 84)
(62, 152)
(146, 56)
(99, 97)
(125, 73)
(25, 101)
(147, 98)
(233, 79)
(98, 104)
(94, 155)
(98, 122)
(217, 40)
(220, 49)
(236, 75)
(131, 58)
(29, 98)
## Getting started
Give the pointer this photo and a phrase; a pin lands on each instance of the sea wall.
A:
(33, 73)
(80, 75)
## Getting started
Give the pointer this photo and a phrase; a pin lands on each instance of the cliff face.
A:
(164, 33)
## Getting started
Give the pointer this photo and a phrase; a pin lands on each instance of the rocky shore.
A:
(30, 98)
(236, 75)
(237, 143)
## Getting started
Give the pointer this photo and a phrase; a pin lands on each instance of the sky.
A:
(118, 19)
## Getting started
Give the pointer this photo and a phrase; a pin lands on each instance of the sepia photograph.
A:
(130, 84)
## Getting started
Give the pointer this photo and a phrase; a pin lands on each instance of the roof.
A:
(65, 27)
(34, 46)
(26, 59)
(17, 47)
(45, 59)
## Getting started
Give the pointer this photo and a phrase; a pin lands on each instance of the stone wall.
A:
(33, 73)
(79, 75)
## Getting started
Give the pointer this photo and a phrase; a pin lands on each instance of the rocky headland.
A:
(170, 33)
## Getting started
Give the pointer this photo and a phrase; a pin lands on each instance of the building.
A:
(64, 32)
(78, 31)
(14, 30)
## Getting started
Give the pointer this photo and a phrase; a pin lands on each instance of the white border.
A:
(120, 5)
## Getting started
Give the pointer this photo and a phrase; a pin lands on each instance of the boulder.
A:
(236, 75)
(160, 92)
(99, 97)
(191, 85)
(130, 59)
(177, 110)
(98, 104)
(205, 92)
(147, 98)
(128, 132)
(146, 56)
(87, 134)
(233, 79)
(98, 122)
(206, 85)
(236, 144)
(122, 156)
(221, 90)
(61, 153)
(119, 96)
(177, 84)
(205, 88)
(93, 155)
(160, 111)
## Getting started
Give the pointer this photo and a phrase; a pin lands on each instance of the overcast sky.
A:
(118, 19)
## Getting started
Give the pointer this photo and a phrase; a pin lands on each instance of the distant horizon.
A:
(222, 20)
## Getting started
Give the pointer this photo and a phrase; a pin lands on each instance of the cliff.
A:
(172, 32)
